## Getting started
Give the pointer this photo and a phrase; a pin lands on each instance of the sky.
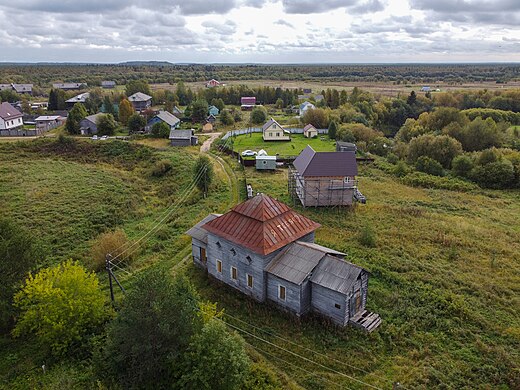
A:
(260, 31)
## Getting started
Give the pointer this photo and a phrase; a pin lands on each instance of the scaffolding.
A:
(322, 191)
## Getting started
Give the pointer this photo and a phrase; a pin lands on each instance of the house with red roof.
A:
(266, 250)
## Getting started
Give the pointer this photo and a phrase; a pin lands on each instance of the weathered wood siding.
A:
(318, 191)
(323, 301)
(254, 267)
(294, 294)
(180, 142)
(361, 285)
(196, 245)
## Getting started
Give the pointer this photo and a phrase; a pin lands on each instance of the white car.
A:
(248, 153)
(104, 137)
(94, 137)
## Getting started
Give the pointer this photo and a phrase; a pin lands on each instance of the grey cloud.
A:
(282, 22)
(314, 6)
(370, 6)
(227, 28)
(254, 3)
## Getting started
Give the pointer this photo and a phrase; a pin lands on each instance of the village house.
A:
(88, 125)
(247, 103)
(18, 88)
(11, 119)
(310, 131)
(266, 250)
(69, 86)
(48, 122)
(212, 110)
(140, 101)
(183, 138)
(211, 119)
(81, 98)
(108, 84)
(325, 178)
(304, 107)
(163, 116)
(213, 83)
(273, 131)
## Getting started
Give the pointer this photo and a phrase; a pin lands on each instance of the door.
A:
(203, 257)
(355, 303)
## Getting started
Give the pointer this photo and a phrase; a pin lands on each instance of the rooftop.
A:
(326, 164)
(261, 224)
(8, 112)
(336, 274)
(139, 97)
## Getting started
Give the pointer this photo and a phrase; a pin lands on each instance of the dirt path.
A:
(207, 144)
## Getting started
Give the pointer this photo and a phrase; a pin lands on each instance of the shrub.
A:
(428, 165)
(161, 168)
(105, 243)
(367, 237)
(497, 175)
(261, 377)
(441, 148)
(160, 130)
(106, 124)
(226, 118)
(136, 123)
(421, 179)
(392, 158)
(462, 166)
(61, 306)
(258, 115)
(401, 169)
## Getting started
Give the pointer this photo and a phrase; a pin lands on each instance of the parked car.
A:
(104, 137)
(94, 137)
(248, 153)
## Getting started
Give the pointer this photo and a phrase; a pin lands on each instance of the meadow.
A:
(445, 266)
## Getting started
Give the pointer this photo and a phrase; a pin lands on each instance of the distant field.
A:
(383, 88)
(298, 142)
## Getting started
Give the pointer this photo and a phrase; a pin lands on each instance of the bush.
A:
(401, 169)
(109, 242)
(462, 166)
(367, 237)
(261, 377)
(160, 130)
(258, 115)
(392, 158)
(61, 306)
(106, 124)
(428, 165)
(161, 168)
(441, 148)
(136, 123)
(497, 175)
(421, 179)
(226, 118)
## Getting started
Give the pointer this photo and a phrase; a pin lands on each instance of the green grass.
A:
(298, 142)
(445, 265)
(445, 280)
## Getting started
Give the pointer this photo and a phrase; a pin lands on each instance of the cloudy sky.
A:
(272, 31)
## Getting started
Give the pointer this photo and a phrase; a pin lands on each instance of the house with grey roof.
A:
(88, 125)
(324, 178)
(183, 138)
(163, 116)
(81, 98)
(342, 146)
(266, 250)
(309, 131)
(10, 119)
(273, 131)
(108, 84)
(140, 101)
(18, 88)
(304, 107)
(69, 86)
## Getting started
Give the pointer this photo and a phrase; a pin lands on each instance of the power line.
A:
(309, 350)
(300, 356)
(297, 367)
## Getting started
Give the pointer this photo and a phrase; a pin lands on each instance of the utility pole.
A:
(108, 267)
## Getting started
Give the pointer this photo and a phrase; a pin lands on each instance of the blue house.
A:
(212, 110)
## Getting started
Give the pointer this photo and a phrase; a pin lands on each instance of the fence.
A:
(292, 130)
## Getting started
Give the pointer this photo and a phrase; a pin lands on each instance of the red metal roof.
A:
(261, 224)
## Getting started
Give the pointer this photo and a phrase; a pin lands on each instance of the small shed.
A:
(265, 162)
(212, 110)
(108, 84)
(211, 118)
(310, 131)
(345, 147)
(182, 138)
(207, 127)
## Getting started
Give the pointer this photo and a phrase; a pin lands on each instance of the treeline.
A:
(43, 75)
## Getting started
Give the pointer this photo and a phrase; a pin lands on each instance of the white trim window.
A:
(282, 292)
(249, 280)
(219, 266)
(234, 273)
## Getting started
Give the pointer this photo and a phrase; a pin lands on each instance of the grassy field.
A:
(445, 280)
(298, 142)
(445, 267)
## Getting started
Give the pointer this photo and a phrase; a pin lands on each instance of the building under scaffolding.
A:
(324, 179)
